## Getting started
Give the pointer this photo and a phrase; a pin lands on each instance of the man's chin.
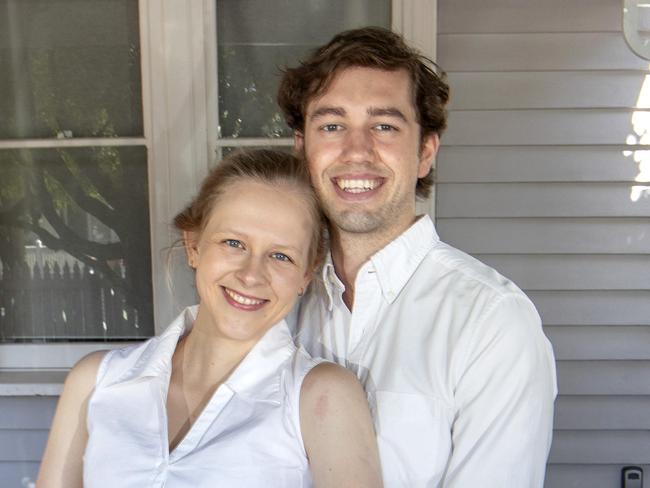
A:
(357, 222)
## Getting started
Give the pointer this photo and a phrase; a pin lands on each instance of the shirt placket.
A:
(367, 298)
(190, 442)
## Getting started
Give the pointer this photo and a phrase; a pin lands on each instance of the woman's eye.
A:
(233, 243)
(281, 257)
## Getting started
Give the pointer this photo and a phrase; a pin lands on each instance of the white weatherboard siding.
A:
(24, 426)
(537, 178)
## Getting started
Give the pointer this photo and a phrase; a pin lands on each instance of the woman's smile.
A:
(243, 302)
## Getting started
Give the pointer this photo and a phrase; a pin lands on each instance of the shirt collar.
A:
(394, 264)
(252, 375)
(155, 359)
(331, 281)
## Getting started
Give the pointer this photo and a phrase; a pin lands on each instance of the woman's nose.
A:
(252, 271)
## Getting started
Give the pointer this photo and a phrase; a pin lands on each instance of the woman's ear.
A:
(309, 275)
(190, 240)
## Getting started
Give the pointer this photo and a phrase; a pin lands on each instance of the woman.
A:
(223, 397)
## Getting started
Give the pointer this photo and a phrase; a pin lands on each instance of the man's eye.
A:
(233, 243)
(331, 127)
(281, 257)
(385, 127)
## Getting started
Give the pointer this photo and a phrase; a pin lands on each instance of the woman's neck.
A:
(207, 359)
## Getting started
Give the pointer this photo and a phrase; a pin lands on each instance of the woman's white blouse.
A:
(248, 435)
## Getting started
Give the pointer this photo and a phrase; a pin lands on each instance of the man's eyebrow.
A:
(386, 112)
(322, 111)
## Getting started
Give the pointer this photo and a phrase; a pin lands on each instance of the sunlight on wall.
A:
(641, 127)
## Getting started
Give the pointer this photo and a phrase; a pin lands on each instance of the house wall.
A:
(536, 178)
(24, 425)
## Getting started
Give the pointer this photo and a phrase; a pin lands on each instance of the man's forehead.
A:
(355, 76)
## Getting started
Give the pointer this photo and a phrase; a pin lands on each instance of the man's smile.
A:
(358, 185)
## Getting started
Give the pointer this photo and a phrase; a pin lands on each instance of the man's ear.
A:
(190, 241)
(428, 151)
(298, 141)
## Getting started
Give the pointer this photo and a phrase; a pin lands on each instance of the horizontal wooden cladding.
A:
(602, 446)
(546, 127)
(603, 377)
(601, 412)
(600, 342)
(22, 445)
(562, 307)
(502, 164)
(573, 272)
(558, 89)
(537, 52)
(456, 16)
(587, 476)
(15, 474)
(547, 235)
(461, 200)
(28, 412)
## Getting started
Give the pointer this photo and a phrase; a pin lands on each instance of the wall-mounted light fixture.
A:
(636, 26)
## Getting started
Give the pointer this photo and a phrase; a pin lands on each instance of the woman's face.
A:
(251, 259)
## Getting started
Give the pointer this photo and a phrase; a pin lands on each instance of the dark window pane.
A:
(69, 68)
(226, 150)
(75, 260)
(257, 38)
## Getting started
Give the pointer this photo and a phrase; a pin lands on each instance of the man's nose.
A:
(359, 145)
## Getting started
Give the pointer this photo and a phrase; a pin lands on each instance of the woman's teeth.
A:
(242, 299)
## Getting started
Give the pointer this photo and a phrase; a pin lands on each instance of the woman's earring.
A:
(301, 292)
(192, 258)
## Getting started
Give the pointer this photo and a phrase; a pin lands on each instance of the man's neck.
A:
(351, 251)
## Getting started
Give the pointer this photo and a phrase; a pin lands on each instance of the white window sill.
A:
(32, 383)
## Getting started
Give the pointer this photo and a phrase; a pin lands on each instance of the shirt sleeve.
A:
(504, 397)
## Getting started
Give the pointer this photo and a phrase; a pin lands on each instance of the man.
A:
(459, 375)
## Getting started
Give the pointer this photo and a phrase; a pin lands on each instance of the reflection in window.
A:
(74, 248)
(74, 222)
(69, 69)
(257, 38)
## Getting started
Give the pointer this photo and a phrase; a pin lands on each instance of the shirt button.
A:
(390, 295)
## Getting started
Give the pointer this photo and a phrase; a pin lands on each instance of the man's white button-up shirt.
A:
(459, 375)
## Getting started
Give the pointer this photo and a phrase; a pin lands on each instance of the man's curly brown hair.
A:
(368, 47)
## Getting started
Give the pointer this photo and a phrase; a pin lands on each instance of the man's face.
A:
(362, 143)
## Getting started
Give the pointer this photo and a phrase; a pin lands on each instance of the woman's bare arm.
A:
(62, 462)
(337, 430)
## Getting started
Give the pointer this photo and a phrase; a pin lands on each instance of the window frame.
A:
(178, 42)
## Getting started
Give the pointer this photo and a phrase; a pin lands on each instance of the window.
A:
(75, 259)
(116, 111)
(256, 39)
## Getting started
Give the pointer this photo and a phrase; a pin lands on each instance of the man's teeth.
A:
(241, 299)
(357, 186)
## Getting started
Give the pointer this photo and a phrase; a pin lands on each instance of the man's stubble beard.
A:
(363, 221)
